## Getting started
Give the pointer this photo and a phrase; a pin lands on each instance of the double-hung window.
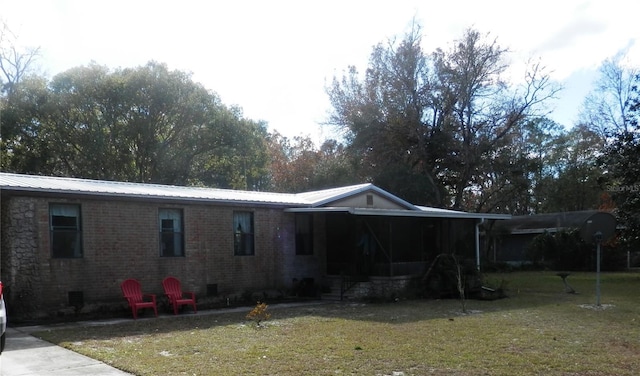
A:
(66, 231)
(171, 232)
(243, 240)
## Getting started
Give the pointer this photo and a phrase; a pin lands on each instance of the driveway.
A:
(26, 355)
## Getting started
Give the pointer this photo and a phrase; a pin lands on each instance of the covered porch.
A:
(383, 245)
(366, 244)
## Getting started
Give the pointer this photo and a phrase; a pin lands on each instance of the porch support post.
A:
(478, 242)
(391, 248)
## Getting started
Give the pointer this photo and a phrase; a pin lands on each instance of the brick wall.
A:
(121, 240)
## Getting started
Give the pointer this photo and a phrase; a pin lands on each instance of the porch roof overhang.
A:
(424, 212)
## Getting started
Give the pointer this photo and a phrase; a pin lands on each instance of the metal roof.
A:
(326, 196)
(448, 213)
(48, 184)
(422, 211)
(64, 185)
(298, 202)
(546, 222)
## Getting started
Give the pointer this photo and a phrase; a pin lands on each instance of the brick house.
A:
(67, 241)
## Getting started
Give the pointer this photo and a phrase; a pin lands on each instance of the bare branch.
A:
(15, 62)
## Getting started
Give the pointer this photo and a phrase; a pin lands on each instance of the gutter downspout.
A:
(478, 243)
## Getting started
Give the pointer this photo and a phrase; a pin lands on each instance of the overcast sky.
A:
(275, 58)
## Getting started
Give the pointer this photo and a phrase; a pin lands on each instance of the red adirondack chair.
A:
(176, 296)
(133, 293)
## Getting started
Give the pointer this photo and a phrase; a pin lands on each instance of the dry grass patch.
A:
(538, 330)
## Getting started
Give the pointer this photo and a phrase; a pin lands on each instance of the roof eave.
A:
(398, 213)
(53, 192)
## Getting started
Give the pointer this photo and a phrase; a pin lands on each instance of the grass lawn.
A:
(538, 330)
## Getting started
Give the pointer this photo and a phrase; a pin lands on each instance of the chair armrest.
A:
(151, 296)
(191, 295)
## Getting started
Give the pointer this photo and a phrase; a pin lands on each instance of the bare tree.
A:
(604, 108)
(435, 120)
(15, 61)
(481, 108)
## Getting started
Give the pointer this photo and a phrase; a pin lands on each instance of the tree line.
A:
(145, 124)
(447, 128)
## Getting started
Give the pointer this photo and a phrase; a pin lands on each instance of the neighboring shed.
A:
(512, 237)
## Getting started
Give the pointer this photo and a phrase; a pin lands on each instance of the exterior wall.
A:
(20, 266)
(387, 287)
(360, 201)
(121, 240)
(382, 287)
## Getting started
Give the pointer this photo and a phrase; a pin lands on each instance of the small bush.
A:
(259, 313)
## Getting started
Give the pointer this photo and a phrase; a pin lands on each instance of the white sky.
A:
(274, 58)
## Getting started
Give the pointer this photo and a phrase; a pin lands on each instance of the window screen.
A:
(171, 233)
(304, 234)
(66, 232)
(243, 239)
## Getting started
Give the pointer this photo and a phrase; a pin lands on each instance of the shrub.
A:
(259, 313)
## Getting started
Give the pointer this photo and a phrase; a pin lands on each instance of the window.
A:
(369, 200)
(171, 244)
(243, 244)
(66, 232)
(304, 234)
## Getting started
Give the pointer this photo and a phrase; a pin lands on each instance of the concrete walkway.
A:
(26, 355)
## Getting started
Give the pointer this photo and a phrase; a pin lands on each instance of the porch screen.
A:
(304, 234)
(66, 232)
(243, 243)
(171, 244)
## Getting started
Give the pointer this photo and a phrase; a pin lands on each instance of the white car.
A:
(3, 320)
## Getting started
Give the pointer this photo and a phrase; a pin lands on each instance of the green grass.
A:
(538, 330)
